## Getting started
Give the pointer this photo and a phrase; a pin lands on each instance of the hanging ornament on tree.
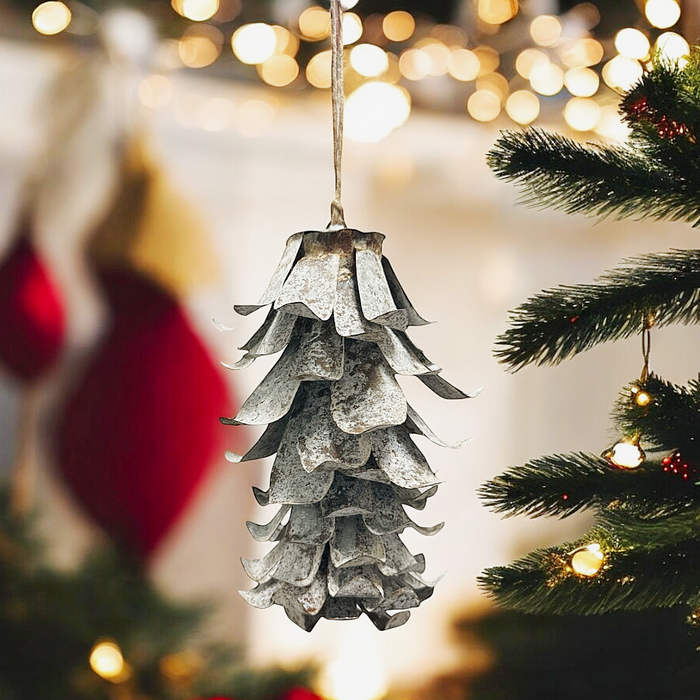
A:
(345, 465)
(676, 463)
(140, 430)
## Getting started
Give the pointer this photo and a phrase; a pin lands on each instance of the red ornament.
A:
(32, 317)
(300, 693)
(675, 464)
(142, 428)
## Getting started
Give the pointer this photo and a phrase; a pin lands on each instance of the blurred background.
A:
(154, 158)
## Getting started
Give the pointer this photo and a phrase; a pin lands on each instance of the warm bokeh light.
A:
(581, 82)
(582, 53)
(51, 18)
(216, 114)
(483, 105)
(315, 23)
(414, 64)
(200, 46)
(107, 660)
(547, 79)
(369, 60)
(582, 113)
(528, 60)
(352, 28)
(497, 83)
(254, 117)
(662, 13)
(287, 43)
(545, 30)
(374, 110)
(340, 680)
(398, 26)
(254, 43)
(318, 70)
(497, 11)
(279, 71)
(626, 454)
(587, 561)
(523, 107)
(155, 91)
(621, 73)
(673, 47)
(438, 54)
(611, 125)
(196, 10)
(451, 36)
(489, 59)
(632, 43)
(464, 65)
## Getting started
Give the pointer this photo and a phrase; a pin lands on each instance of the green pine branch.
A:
(663, 531)
(554, 171)
(671, 421)
(559, 323)
(631, 579)
(565, 484)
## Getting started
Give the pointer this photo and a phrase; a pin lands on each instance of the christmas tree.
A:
(642, 550)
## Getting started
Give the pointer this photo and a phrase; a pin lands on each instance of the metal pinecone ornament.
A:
(339, 424)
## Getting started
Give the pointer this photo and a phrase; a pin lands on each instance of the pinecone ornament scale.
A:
(345, 464)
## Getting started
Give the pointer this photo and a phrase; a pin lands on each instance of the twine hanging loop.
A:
(338, 101)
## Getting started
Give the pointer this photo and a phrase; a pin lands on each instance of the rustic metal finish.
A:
(346, 466)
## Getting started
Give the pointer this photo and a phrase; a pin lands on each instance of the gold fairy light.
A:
(463, 65)
(279, 71)
(200, 46)
(398, 26)
(582, 113)
(632, 43)
(587, 561)
(254, 43)
(368, 60)
(545, 30)
(483, 105)
(497, 11)
(315, 23)
(523, 107)
(51, 18)
(547, 79)
(581, 82)
(662, 13)
(318, 70)
(528, 60)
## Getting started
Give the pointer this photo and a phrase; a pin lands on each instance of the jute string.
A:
(338, 101)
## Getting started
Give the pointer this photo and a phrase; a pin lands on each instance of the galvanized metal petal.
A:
(263, 595)
(347, 314)
(266, 445)
(273, 397)
(341, 609)
(347, 496)
(298, 563)
(368, 395)
(383, 621)
(313, 598)
(417, 426)
(398, 456)
(289, 483)
(387, 515)
(261, 570)
(262, 497)
(272, 336)
(402, 300)
(319, 355)
(308, 526)
(270, 531)
(400, 599)
(310, 288)
(353, 544)
(375, 296)
(403, 356)
(354, 582)
(319, 441)
(280, 275)
(398, 559)
(444, 389)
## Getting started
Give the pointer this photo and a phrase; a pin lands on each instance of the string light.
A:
(200, 46)
(414, 64)
(287, 43)
(626, 454)
(398, 26)
(196, 10)
(582, 53)
(51, 18)
(464, 65)
(369, 60)
(610, 125)
(483, 105)
(587, 561)
(528, 60)
(107, 661)
(315, 23)
(438, 54)
(497, 11)
(545, 30)
(621, 73)
(662, 13)
(489, 59)
(318, 70)
(155, 91)
(547, 79)
(673, 47)
(581, 82)
(582, 113)
(279, 71)
(497, 83)
(523, 107)
(374, 110)
(352, 28)
(632, 43)
(254, 43)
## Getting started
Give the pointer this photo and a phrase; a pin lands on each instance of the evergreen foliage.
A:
(647, 516)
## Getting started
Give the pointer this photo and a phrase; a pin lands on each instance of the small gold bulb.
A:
(625, 454)
(587, 561)
(642, 398)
